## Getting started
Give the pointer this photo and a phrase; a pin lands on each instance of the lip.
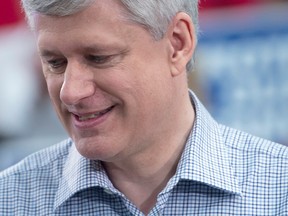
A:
(92, 122)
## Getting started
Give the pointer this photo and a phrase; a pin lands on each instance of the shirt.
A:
(222, 171)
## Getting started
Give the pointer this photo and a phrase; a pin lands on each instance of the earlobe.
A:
(182, 41)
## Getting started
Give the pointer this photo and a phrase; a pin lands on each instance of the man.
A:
(141, 142)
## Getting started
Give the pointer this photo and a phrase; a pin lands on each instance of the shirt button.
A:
(108, 191)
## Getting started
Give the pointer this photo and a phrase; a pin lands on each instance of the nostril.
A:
(73, 92)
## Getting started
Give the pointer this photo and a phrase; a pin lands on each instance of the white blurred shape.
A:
(18, 82)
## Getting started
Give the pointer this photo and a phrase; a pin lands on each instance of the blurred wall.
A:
(242, 66)
(27, 120)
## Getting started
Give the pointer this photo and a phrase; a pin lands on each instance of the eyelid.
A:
(100, 58)
(106, 59)
(101, 61)
(55, 65)
(55, 61)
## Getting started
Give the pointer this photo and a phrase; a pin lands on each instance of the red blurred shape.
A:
(224, 3)
(10, 12)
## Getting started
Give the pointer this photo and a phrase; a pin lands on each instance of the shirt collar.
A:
(80, 173)
(206, 157)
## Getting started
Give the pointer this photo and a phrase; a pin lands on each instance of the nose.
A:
(77, 84)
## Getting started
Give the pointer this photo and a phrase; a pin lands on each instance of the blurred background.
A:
(27, 120)
(241, 75)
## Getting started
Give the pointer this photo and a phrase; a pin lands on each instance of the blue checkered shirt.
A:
(222, 171)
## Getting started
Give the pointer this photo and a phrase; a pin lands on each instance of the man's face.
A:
(109, 81)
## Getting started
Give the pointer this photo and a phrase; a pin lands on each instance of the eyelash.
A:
(55, 63)
(100, 60)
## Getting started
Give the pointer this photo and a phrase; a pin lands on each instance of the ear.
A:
(182, 42)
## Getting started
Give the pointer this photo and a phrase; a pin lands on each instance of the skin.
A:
(95, 61)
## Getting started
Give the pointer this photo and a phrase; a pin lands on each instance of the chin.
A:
(95, 149)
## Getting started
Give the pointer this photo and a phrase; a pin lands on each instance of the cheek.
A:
(54, 85)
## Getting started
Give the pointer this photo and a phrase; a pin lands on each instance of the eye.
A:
(100, 59)
(56, 63)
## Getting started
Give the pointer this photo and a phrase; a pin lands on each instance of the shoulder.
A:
(261, 169)
(44, 159)
(257, 160)
(29, 187)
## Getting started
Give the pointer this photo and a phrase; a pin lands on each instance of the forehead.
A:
(97, 11)
(102, 25)
(102, 22)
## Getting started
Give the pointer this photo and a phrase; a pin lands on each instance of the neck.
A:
(142, 179)
(144, 175)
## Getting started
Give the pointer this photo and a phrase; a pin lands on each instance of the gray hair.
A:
(155, 15)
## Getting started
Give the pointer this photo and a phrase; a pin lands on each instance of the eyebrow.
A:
(86, 49)
(101, 48)
(47, 53)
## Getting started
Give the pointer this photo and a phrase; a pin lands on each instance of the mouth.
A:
(96, 115)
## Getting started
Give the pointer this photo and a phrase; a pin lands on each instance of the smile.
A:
(94, 115)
